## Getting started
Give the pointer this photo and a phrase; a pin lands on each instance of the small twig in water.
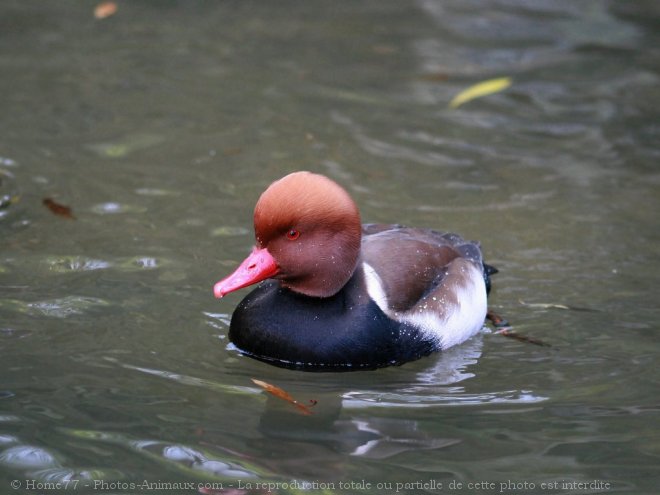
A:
(504, 328)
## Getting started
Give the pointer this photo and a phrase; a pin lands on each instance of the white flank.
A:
(460, 322)
(456, 325)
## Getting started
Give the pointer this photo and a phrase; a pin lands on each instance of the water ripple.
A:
(437, 386)
(188, 380)
(8, 439)
(70, 263)
(63, 264)
(219, 321)
(189, 460)
(27, 456)
(64, 474)
(451, 397)
(114, 208)
(65, 306)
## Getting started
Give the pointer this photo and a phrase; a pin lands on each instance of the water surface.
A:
(161, 125)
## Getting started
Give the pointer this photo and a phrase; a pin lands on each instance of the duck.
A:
(338, 295)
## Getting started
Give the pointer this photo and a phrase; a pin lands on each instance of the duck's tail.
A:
(488, 271)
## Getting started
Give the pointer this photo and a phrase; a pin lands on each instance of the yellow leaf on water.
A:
(484, 88)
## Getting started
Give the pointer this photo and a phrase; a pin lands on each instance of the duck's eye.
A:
(293, 234)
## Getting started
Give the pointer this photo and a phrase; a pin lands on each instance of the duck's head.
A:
(308, 234)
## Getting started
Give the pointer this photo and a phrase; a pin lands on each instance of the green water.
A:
(161, 125)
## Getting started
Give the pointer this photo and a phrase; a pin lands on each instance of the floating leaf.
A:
(105, 9)
(126, 145)
(478, 90)
(284, 395)
(58, 209)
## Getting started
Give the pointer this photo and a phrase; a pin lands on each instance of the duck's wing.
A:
(431, 280)
(411, 263)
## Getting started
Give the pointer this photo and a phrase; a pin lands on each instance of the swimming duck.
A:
(339, 295)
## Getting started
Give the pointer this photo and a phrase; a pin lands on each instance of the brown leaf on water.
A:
(58, 209)
(105, 9)
(284, 395)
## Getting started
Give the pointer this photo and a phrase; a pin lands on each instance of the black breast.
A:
(345, 332)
